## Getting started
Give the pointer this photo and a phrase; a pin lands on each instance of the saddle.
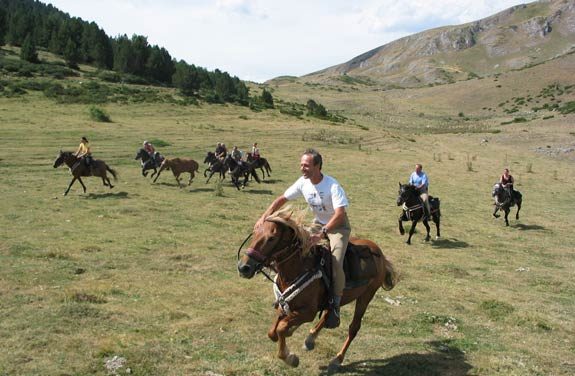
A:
(358, 265)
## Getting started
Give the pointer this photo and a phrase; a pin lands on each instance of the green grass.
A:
(148, 271)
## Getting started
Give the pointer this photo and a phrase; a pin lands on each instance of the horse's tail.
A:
(112, 171)
(391, 275)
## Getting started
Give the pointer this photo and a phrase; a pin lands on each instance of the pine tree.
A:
(72, 54)
(28, 50)
(267, 99)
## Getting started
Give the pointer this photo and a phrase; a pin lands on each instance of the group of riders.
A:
(84, 153)
(222, 151)
(326, 199)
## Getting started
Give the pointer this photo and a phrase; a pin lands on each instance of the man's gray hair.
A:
(317, 159)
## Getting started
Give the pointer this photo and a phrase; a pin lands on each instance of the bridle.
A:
(277, 258)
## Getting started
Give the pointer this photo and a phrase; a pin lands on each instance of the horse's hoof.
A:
(408, 242)
(334, 364)
(437, 237)
(292, 360)
(427, 238)
(401, 232)
(496, 215)
(309, 343)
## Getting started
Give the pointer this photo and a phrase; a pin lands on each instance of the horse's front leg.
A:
(309, 343)
(507, 215)
(145, 173)
(70, 186)
(518, 208)
(400, 222)
(427, 228)
(285, 328)
(495, 211)
(411, 231)
(153, 173)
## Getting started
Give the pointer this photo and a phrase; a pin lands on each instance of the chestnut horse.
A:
(78, 169)
(282, 244)
(178, 166)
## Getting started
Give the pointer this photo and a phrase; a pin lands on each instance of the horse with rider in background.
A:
(149, 162)
(260, 163)
(239, 169)
(504, 200)
(215, 165)
(414, 210)
(78, 169)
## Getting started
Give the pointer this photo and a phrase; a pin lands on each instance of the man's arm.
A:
(275, 205)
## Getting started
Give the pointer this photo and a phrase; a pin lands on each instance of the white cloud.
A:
(259, 39)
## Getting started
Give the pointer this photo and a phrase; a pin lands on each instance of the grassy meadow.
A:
(147, 272)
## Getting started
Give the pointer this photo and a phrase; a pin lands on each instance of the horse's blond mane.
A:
(294, 219)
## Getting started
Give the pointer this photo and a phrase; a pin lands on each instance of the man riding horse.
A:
(419, 179)
(328, 202)
(506, 180)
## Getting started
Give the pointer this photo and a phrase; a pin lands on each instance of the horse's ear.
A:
(399, 184)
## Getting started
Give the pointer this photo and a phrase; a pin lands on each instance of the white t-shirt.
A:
(322, 198)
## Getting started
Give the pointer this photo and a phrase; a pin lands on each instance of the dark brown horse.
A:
(260, 163)
(179, 166)
(79, 169)
(282, 244)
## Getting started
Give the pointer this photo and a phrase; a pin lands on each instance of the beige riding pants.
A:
(425, 198)
(338, 239)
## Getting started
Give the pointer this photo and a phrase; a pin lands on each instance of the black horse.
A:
(260, 163)
(214, 165)
(504, 201)
(148, 163)
(413, 210)
(240, 169)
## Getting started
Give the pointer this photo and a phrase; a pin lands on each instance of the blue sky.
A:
(261, 39)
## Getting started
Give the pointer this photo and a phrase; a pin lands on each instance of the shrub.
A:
(100, 115)
(159, 143)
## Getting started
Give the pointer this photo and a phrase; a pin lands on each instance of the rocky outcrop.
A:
(511, 39)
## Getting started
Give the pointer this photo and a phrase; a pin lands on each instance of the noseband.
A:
(276, 257)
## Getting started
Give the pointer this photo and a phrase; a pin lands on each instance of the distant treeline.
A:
(31, 24)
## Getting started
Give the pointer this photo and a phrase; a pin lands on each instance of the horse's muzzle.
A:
(245, 269)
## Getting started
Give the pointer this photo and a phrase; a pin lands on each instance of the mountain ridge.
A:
(514, 38)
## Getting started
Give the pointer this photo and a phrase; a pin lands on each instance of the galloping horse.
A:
(413, 210)
(237, 170)
(148, 163)
(178, 166)
(504, 202)
(283, 245)
(214, 165)
(78, 168)
(260, 163)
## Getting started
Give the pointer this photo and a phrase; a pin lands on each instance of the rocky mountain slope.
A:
(516, 38)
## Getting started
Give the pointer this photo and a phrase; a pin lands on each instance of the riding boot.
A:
(332, 320)
(426, 214)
